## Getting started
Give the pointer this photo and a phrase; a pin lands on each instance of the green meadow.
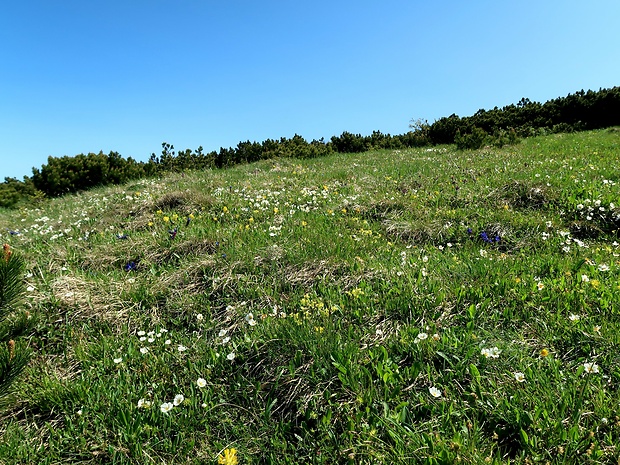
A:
(421, 305)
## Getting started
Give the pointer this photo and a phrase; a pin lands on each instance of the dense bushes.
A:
(497, 127)
(575, 112)
(71, 174)
(13, 190)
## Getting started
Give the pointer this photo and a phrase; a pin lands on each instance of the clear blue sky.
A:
(84, 76)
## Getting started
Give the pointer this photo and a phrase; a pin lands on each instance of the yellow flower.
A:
(357, 292)
(228, 457)
(159, 212)
(544, 353)
(166, 219)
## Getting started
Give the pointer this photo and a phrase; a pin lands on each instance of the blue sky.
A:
(79, 77)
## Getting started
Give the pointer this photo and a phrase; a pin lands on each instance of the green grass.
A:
(338, 310)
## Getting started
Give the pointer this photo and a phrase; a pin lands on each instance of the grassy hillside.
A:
(414, 306)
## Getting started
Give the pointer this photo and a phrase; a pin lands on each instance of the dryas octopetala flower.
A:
(436, 393)
(590, 367)
(493, 352)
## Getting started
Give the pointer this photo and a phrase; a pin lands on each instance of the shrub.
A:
(72, 174)
(472, 141)
(13, 357)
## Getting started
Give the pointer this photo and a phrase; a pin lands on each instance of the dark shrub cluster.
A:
(12, 191)
(575, 112)
(71, 174)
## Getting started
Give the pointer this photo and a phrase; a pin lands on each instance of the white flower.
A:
(420, 337)
(584, 278)
(151, 339)
(29, 288)
(231, 356)
(540, 286)
(491, 353)
(590, 367)
(222, 332)
(118, 360)
(225, 340)
(181, 348)
(144, 350)
(425, 259)
(143, 403)
(201, 382)
(166, 407)
(167, 342)
(434, 392)
(603, 267)
(199, 317)
(573, 317)
(520, 377)
(483, 253)
(178, 399)
(250, 319)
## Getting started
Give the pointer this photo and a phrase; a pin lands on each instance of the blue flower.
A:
(130, 266)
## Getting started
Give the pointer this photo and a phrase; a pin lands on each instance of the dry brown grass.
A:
(88, 300)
